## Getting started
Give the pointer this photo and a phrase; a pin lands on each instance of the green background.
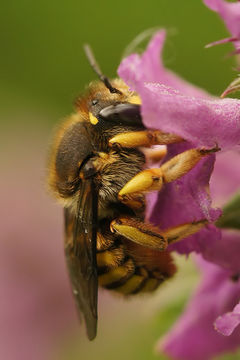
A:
(43, 69)
(42, 64)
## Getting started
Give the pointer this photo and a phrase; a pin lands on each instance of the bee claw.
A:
(216, 148)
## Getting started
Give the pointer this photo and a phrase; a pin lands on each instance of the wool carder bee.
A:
(97, 170)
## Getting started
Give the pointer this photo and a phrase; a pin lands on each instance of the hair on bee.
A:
(92, 61)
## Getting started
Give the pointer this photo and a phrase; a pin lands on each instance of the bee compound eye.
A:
(74, 147)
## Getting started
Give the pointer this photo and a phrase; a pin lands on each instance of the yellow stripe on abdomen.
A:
(133, 284)
(150, 285)
(110, 258)
(118, 275)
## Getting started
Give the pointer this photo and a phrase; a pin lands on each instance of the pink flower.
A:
(171, 104)
(230, 13)
(193, 337)
(226, 323)
(36, 306)
(204, 121)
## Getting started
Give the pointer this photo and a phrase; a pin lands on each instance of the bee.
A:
(97, 170)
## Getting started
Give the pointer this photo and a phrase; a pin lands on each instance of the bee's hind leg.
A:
(141, 233)
(148, 235)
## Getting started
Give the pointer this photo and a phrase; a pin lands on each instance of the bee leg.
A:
(153, 179)
(141, 233)
(180, 232)
(148, 235)
(145, 138)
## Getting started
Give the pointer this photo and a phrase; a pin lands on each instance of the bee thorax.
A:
(115, 169)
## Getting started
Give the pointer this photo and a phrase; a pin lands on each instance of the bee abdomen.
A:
(117, 276)
(134, 283)
(127, 279)
(153, 281)
(109, 259)
(127, 268)
(142, 281)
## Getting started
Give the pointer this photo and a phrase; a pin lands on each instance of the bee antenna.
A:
(92, 61)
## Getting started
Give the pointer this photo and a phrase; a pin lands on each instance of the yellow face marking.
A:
(93, 119)
(135, 99)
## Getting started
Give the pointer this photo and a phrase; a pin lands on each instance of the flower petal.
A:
(190, 112)
(149, 68)
(187, 200)
(225, 180)
(224, 250)
(227, 323)
(229, 12)
(193, 337)
(203, 121)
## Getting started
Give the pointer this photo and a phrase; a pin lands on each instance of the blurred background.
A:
(43, 69)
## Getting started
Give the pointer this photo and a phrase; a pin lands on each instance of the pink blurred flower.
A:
(36, 306)
(172, 105)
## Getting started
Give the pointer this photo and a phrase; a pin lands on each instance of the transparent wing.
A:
(80, 250)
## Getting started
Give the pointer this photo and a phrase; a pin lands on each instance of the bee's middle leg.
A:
(153, 179)
(148, 235)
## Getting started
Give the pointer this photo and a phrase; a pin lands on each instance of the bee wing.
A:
(80, 250)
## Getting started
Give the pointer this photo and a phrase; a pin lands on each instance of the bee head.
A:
(111, 103)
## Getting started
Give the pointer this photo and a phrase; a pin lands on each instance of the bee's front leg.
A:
(148, 235)
(153, 179)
